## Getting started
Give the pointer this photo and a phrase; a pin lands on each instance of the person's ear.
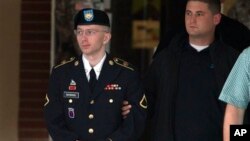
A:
(107, 38)
(217, 18)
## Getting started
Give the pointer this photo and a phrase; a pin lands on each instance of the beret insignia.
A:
(88, 15)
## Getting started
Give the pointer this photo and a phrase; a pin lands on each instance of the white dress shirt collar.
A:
(97, 68)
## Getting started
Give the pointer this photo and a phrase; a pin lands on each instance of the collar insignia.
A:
(76, 63)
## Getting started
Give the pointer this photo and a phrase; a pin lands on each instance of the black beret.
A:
(90, 16)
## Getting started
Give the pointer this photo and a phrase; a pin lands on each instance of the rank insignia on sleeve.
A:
(47, 100)
(143, 102)
(112, 87)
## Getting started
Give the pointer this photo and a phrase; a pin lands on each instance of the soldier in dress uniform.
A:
(85, 94)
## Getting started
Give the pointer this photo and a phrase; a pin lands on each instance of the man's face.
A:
(199, 20)
(92, 39)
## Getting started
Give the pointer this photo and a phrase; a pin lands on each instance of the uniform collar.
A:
(97, 68)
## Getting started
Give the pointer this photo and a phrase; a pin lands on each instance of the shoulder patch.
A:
(123, 63)
(65, 62)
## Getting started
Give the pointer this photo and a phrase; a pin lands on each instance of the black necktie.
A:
(92, 80)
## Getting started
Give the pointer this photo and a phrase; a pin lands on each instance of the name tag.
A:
(70, 94)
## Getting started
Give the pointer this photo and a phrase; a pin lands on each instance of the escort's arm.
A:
(150, 88)
(53, 112)
(133, 125)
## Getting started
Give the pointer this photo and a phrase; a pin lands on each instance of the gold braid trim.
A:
(123, 63)
(65, 62)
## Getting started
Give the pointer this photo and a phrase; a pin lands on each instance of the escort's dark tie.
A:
(92, 80)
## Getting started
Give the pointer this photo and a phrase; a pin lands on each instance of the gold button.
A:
(111, 62)
(91, 116)
(91, 130)
(111, 100)
(92, 102)
(70, 100)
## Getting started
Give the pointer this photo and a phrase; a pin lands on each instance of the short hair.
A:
(213, 5)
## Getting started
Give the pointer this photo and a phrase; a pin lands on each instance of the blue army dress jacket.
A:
(72, 112)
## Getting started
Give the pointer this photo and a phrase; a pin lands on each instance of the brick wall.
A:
(34, 68)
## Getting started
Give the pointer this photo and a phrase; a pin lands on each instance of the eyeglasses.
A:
(87, 32)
